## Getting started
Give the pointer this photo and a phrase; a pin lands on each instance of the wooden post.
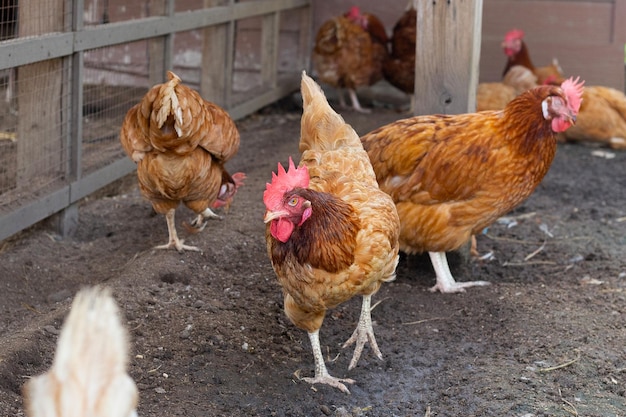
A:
(269, 49)
(159, 49)
(215, 77)
(304, 49)
(447, 56)
(40, 149)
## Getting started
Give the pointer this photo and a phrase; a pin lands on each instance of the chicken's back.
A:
(328, 144)
(180, 143)
(88, 376)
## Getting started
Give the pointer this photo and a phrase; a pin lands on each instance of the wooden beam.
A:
(40, 149)
(447, 55)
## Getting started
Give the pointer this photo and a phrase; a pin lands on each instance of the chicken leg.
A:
(355, 102)
(363, 333)
(445, 280)
(174, 241)
(321, 373)
(198, 224)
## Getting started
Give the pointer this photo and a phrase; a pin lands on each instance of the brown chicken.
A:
(88, 376)
(180, 143)
(602, 118)
(517, 54)
(496, 95)
(399, 69)
(349, 53)
(453, 175)
(331, 232)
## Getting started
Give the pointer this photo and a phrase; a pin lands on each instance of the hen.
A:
(517, 54)
(496, 95)
(180, 143)
(331, 232)
(88, 376)
(452, 175)
(349, 52)
(602, 118)
(399, 69)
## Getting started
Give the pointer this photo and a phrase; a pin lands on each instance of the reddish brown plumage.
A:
(602, 118)
(331, 232)
(180, 143)
(517, 54)
(399, 69)
(451, 176)
(349, 50)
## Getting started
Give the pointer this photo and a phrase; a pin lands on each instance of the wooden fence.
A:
(71, 69)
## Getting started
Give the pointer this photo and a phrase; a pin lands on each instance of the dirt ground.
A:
(209, 337)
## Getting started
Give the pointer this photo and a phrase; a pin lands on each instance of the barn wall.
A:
(587, 36)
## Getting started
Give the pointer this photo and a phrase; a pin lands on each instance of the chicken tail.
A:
(321, 127)
(168, 104)
(88, 375)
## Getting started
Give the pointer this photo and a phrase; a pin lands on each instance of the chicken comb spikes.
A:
(514, 34)
(573, 89)
(354, 12)
(170, 104)
(284, 181)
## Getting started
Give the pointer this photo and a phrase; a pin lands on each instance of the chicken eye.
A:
(293, 201)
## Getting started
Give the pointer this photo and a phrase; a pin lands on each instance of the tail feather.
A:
(321, 127)
(169, 105)
(88, 376)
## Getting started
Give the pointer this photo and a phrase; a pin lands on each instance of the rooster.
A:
(331, 232)
(517, 54)
(453, 175)
(180, 143)
(88, 376)
(349, 52)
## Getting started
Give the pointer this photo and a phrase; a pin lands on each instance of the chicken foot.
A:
(445, 280)
(356, 105)
(355, 102)
(198, 224)
(321, 373)
(174, 241)
(363, 332)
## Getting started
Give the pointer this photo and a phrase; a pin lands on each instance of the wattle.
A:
(281, 229)
(560, 125)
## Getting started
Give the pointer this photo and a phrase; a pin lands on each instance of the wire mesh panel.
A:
(114, 79)
(71, 69)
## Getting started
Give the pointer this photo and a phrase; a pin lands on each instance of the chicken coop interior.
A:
(71, 69)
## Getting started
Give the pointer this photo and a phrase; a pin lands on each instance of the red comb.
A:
(283, 182)
(354, 12)
(573, 89)
(514, 34)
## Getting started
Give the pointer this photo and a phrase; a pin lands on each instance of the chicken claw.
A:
(198, 224)
(178, 245)
(363, 333)
(445, 280)
(174, 241)
(321, 373)
(332, 381)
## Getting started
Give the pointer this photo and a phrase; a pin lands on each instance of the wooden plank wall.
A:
(587, 36)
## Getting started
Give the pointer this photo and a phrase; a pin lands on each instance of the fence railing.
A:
(71, 69)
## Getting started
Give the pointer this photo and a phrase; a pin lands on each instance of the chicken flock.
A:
(335, 221)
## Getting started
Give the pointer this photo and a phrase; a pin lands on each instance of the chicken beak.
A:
(271, 215)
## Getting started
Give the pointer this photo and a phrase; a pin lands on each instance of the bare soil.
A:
(209, 337)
